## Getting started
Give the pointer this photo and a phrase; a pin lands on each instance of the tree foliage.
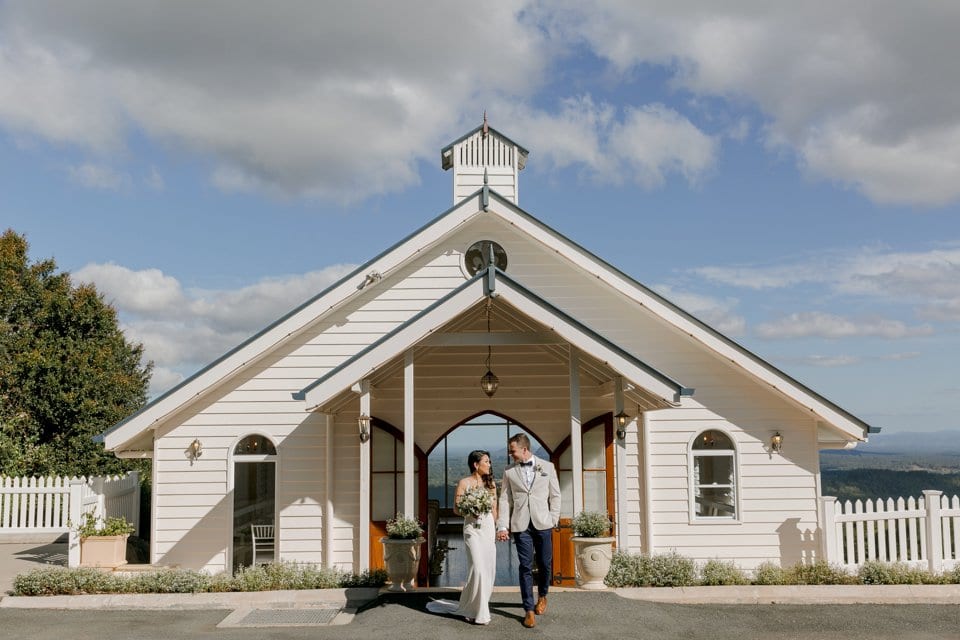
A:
(67, 372)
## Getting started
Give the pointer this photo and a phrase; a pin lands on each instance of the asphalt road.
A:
(571, 615)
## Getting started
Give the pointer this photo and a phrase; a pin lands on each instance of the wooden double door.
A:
(598, 490)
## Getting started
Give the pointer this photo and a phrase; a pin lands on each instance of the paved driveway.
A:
(571, 616)
(21, 557)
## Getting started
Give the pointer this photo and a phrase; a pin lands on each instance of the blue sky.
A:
(790, 175)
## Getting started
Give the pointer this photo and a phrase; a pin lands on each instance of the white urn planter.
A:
(103, 551)
(593, 556)
(402, 559)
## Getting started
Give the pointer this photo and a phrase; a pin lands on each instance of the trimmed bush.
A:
(722, 572)
(663, 570)
(672, 570)
(897, 573)
(624, 570)
(768, 573)
(820, 572)
(268, 577)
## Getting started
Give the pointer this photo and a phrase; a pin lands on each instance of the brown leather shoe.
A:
(530, 620)
(541, 607)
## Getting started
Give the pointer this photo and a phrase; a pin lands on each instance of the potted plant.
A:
(593, 548)
(103, 543)
(401, 551)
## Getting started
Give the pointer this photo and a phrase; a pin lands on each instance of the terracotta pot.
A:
(402, 558)
(103, 551)
(593, 556)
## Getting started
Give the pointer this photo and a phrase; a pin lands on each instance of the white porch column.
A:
(409, 508)
(363, 536)
(328, 494)
(620, 463)
(576, 433)
(647, 512)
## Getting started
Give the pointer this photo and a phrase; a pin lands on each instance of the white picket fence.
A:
(55, 504)
(921, 532)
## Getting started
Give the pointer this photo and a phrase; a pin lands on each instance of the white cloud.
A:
(329, 100)
(719, 314)
(641, 145)
(859, 90)
(825, 325)
(929, 281)
(97, 176)
(827, 361)
(184, 330)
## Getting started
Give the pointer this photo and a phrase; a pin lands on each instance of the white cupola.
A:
(484, 152)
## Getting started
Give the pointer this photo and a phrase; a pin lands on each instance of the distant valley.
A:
(894, 465)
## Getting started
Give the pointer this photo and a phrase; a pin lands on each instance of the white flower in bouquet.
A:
(475, 502)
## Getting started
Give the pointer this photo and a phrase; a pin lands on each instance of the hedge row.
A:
(674, 570)
(267, 577)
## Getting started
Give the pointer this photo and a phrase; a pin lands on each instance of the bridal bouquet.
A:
(475, 502)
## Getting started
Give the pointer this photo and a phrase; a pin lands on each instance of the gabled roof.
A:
(434, 231)
(485, 284)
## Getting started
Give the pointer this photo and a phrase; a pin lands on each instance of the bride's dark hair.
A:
(473, 460)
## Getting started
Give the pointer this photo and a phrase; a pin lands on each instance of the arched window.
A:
(713, 476)
(254, 495)
(255, 445)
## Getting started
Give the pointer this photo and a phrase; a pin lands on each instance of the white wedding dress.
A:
(481, 544)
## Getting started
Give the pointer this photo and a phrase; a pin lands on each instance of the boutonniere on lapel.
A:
(539, 470)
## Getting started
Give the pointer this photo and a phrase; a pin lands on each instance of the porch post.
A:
(328, 494)
(363, 536)
(576, 434)
(647, 513)
(620, 464)
(409, 509)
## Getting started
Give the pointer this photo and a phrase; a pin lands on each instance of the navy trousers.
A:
(530, 542)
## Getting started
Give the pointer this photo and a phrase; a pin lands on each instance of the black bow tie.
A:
(527, 464)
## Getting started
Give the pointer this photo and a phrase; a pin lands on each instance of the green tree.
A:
(67, 372)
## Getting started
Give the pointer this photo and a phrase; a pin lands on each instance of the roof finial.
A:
(486, 128)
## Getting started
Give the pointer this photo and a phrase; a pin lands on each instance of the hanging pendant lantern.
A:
(489, 382)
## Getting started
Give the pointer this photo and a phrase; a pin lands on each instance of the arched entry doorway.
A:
(386, 488)
(447, 463)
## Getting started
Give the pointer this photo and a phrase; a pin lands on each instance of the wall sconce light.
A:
(363, 423)
(621, 422)
(776, 442)
(195, 450)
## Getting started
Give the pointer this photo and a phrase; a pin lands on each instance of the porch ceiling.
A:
(531, 361)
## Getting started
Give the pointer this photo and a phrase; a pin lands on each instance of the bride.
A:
(476, 501)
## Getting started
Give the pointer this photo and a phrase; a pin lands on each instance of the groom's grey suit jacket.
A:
(540, 503)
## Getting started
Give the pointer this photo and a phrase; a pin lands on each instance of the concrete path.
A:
(25, 554)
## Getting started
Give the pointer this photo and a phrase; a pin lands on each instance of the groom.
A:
(530, 508)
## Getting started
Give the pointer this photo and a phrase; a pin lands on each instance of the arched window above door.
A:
(255, 445)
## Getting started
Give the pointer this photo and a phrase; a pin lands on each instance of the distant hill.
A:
(908, 451)
(860, 484)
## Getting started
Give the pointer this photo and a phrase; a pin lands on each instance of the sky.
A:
(787, 172)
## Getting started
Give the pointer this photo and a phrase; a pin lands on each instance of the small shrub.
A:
(721, 572)
(768, 573)
(952, 576)
(671, 570)
(370, 578)
(590, 524)
(169, 581)
(91, 526)
(624, 570)
(402, 528)
(819, 572)
(875, 572)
